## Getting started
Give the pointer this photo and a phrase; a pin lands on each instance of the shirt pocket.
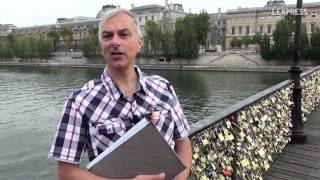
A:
(111, 126)
(107, 132)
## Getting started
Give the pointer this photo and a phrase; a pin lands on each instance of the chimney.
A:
(219, 10)
(132, 6)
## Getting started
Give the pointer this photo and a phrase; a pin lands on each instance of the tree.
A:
(265, 47)
(234, 42)
(282, 36)
(167, 43)
(185, 38)
(44, 48)
(54, 37)
(246, 41)
(153, 37)
(223, 41)
(315, 44)
(67, 35)
(201, 23)
(91, 46)
(305, 47)
(256, 39)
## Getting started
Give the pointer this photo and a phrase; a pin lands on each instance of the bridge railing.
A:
(242, 141)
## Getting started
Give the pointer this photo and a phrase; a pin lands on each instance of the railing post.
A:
(298, 132)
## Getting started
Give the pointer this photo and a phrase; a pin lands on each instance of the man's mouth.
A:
(116, 53)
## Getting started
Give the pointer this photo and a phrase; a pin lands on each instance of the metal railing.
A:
(242, 141)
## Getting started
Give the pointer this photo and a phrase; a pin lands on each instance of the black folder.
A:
(141, 150)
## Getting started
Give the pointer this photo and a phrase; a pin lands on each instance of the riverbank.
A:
(165, 67)
(206, 62)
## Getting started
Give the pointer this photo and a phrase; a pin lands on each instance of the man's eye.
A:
(107, 36)
(124, 34)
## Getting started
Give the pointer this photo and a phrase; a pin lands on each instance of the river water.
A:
(32, 99)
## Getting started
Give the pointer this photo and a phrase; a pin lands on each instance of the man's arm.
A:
(184, 150)
(68, 171)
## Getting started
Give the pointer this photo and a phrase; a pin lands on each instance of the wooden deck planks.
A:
(300, 161)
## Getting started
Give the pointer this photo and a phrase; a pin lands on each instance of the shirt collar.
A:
(113, 88)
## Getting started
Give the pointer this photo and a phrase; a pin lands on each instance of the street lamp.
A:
(298, 132)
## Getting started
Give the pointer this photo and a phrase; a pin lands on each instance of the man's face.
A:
(120, 42)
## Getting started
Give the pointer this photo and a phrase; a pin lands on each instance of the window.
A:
(139, 19)
(261, 18)
(146, 18)
(152, 17)
(269, 17)
(218, 22)
(248, 30)
(240, 30)
(261, 29)
(269, 28)
(313, 14)
(232, 30)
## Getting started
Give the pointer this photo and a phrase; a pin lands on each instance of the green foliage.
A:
(305, 47)
(234, 42)
(44, 48)
(91, 46)
(201, 23)
(67, 35)
(25, 47)
(167, 43)
(282, 36)
(153, 38)
(315, 45)
(5, 50)
(246, 41)
(185, 38)
(256, 38)
(54, 37)
(183, 41)
(265, 47)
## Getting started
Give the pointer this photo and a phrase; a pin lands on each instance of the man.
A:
(103, 110)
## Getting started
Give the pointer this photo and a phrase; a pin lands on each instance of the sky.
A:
(39, 12)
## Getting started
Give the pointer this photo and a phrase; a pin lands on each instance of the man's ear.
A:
(140, 44)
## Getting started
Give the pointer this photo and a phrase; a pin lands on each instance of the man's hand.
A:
(160, 176)
(67, 171)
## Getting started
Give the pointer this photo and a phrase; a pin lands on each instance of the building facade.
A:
(218, 27)
(157, 13)
(82, 25)
(248, 21)
(5, 29)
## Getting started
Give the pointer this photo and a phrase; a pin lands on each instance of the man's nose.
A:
(115, 41)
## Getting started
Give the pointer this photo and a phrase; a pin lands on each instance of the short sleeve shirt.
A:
(98, 114)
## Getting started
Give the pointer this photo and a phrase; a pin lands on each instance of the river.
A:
(32, 99)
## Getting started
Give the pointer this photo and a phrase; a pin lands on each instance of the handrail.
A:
(210, 120)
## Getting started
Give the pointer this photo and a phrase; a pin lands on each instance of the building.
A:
(248, 21)
(218, 27)
(157, 13)
(82, 25)
(5, 29)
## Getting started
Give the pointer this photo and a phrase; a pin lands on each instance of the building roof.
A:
(151, 6)
(269, 8)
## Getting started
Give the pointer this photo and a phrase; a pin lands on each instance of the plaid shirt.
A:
(99, 114)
